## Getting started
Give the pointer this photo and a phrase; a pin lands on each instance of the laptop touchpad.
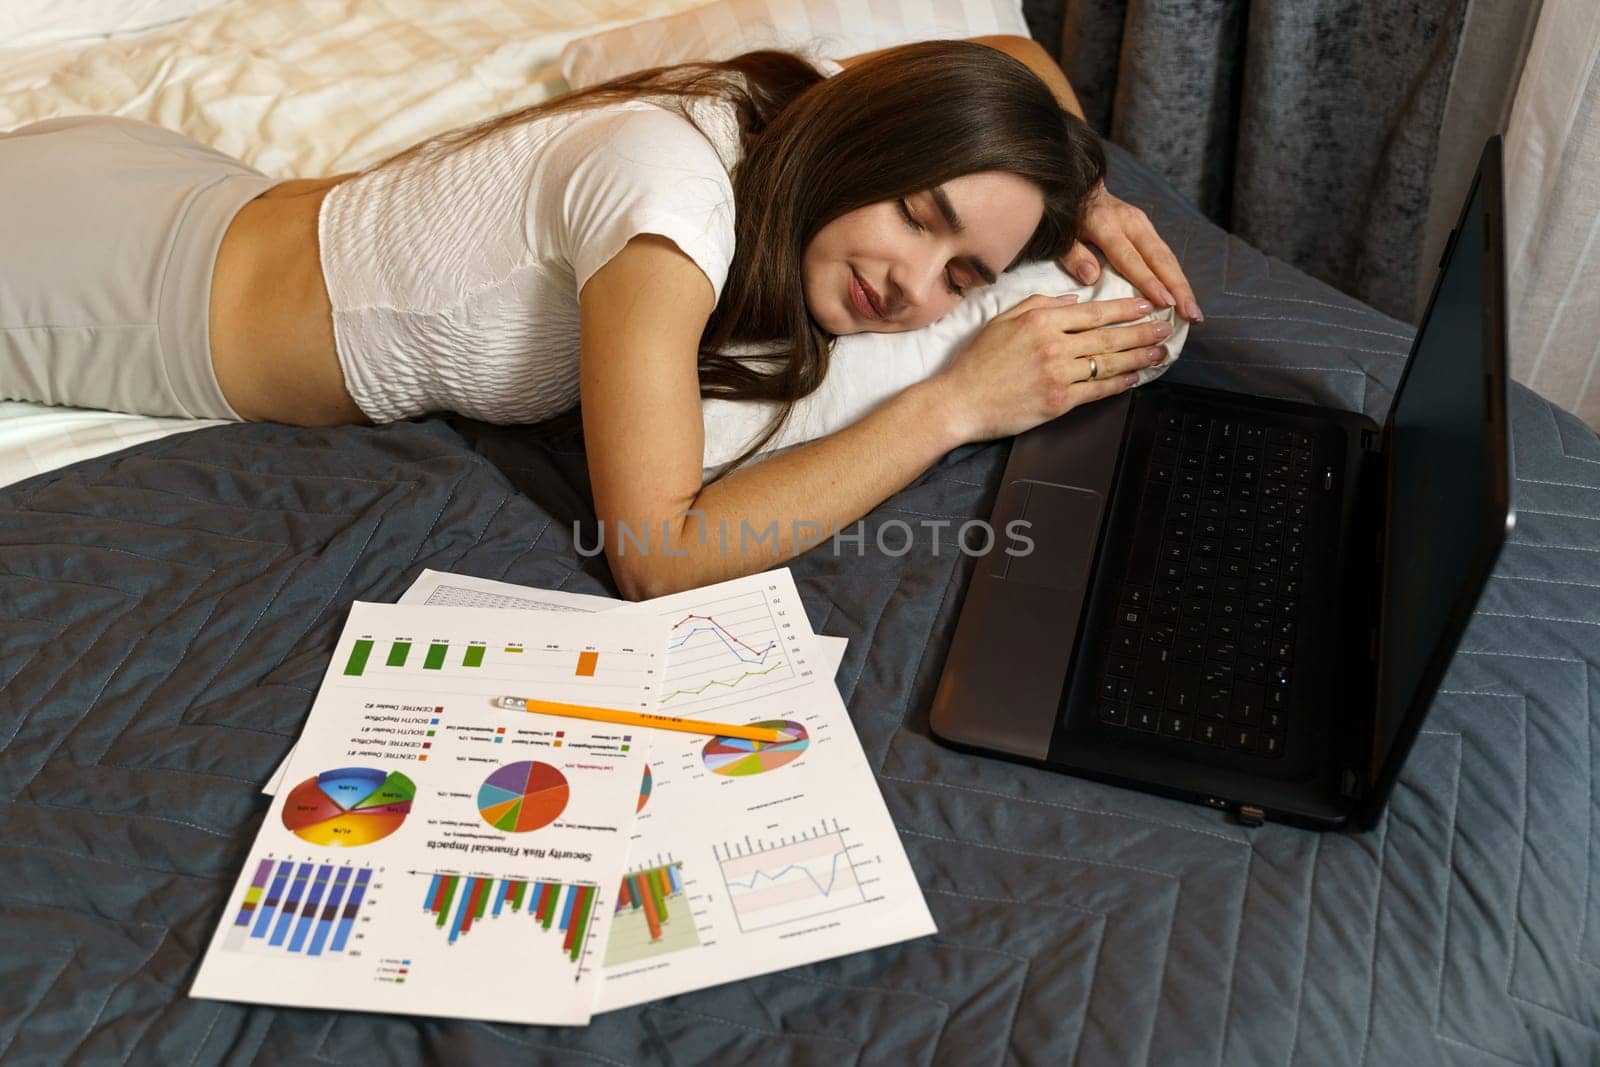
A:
(1063, 522)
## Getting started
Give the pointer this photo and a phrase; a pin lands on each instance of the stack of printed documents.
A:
(433, 849)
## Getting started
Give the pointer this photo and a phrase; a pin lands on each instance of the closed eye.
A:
(949, 282)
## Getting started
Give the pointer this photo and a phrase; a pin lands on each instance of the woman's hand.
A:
(1131, 245)
(1033, 362)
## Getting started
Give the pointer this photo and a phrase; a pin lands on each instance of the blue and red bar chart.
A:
(304, 908)
(568, 912)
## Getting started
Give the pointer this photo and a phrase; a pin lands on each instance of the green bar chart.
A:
(358, 658)
(371, 655)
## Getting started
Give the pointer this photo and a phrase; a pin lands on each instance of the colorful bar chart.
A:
(473, 657)
(566, 908)
(302, 908)
(586, 662)
(652, 916)
(436, 654)
(399, 652)
(648, 891)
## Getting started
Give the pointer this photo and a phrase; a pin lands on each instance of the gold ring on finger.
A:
(1094, 369)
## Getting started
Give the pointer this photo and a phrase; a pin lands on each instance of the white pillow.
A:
(725, 28)
(42, 22)
(868, 368)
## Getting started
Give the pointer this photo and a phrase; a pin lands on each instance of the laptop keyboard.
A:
(1202, 645)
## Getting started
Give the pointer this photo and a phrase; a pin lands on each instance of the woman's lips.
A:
(860, 296)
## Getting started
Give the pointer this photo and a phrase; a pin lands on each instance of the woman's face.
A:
(910, 273)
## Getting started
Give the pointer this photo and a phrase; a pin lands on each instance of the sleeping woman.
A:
(592, 257)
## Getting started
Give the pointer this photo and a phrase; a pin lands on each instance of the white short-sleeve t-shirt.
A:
(454, 281)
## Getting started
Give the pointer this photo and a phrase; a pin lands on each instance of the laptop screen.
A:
(1444, 477)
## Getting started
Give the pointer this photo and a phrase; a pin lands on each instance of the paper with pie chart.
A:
(427, 845)
(747, 857)
(348, 807)
(523, 796)
(737, 757)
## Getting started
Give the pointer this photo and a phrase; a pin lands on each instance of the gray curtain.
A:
(1337, 135)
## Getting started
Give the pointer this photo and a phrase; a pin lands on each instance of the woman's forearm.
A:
(763, 514)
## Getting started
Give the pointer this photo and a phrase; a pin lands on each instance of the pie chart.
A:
(644, 789)
(349, 807)
(523, 796)
(738, 758)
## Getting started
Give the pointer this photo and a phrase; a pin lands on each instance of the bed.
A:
(167, 611)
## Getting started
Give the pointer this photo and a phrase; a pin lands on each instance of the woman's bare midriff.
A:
(271, 322)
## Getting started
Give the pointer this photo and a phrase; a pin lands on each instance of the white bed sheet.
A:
(35, 438)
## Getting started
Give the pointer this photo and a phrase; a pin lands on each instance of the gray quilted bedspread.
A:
(167, 612)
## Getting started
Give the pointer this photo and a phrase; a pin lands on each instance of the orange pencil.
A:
(641, 718)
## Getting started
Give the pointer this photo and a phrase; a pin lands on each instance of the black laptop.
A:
(1240, 601)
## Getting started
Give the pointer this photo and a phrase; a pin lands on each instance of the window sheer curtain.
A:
(1340, 137)
(1553, 211)
(1312, 129)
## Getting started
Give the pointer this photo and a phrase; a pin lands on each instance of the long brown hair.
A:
(815, 148)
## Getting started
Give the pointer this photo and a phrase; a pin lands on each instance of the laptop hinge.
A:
(1350, 783)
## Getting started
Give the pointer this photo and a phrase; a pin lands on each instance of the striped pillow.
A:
(817, 28)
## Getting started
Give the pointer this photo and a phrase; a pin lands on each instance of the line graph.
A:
(795, 877)
(705, 623)
(725, 683)
(727, 650)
